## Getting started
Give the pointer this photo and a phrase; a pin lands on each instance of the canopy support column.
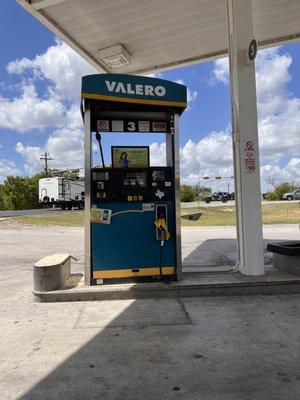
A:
(87, 195)
(245, 139)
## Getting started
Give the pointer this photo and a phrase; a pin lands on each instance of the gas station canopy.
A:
(140, 36)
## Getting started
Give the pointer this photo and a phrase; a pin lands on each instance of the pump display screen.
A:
(130, 157)
(135, 179)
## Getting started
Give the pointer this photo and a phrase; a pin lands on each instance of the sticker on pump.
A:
(144, 126)
(159, 126)
(103, 125)
(148, 206)
(100, 215)
(117, 126)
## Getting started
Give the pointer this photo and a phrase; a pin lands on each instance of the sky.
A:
(40, 80)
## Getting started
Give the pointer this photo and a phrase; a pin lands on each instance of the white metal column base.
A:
(245, 140)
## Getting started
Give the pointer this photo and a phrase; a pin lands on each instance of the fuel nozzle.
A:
(161, 225)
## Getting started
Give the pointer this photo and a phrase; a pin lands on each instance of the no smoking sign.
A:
(249, 156)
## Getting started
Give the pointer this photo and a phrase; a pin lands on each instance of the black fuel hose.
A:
(98, 138)
(162, 277)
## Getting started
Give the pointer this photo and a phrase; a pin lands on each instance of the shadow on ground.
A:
(226, 348)
(216, 253)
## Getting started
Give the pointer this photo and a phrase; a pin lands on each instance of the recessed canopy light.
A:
(115, 56)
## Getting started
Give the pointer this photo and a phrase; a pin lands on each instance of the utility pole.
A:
(45, 157)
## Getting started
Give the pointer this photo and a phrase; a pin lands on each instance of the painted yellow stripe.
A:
(127, 273)
(180, 104)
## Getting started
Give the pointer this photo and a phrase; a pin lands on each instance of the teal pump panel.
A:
(132, 211)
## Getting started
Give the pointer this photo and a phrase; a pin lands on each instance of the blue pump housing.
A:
(129, 241)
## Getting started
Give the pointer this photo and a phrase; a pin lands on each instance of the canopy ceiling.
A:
(159, 34)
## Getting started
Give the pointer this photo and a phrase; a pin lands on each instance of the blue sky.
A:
(41, 74)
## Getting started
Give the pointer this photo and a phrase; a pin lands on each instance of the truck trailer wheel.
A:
(69, 206)
(63, 206)
(80, 206)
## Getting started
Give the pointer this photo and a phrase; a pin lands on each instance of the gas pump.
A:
(132, 209)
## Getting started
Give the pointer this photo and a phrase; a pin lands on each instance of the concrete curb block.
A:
(51, 272)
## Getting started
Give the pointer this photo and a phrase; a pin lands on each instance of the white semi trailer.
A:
(64, 193)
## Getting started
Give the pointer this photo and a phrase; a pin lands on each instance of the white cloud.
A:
(31, 155)
(64, 145)
(289, 173)
(272, 75)
(278, 111)
(191, 95)
(220, 72)
(61, 69)
(61, 66)
(279, 134)
(158, 154)
(210, 155)
(29, 112)
(8, 168)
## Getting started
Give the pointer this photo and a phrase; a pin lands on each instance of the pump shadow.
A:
(170, 349)
(217, 255)
(100, 368)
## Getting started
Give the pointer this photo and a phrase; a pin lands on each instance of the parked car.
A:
(218, 196)
(295, 195)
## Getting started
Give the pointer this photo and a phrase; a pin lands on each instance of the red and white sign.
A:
(249, 156)
(103, 125)
(159, 126)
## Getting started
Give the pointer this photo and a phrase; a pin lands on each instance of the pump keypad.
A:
(132, 185)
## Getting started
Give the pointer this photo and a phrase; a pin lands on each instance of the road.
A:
(18, 213)
(194, 204)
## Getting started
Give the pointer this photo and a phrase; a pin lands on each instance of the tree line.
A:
(21, 193)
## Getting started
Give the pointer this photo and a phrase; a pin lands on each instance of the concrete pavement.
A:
(235, 348)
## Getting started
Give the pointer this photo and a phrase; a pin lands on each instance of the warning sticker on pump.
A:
(103, 125)
(159, 126)
(100, 215)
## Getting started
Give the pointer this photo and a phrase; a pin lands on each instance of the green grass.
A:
(271, 214)
(211, 216)
(52, 219)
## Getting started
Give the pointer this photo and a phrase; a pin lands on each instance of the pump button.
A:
(129, 198)
(140, 198)
(134, 198)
